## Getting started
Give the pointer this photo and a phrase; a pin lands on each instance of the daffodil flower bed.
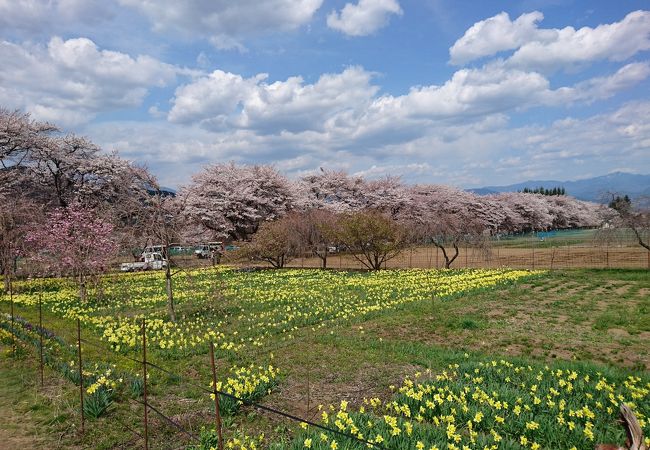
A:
(248, 383)
(209, 440)
(492, 405)
(237, 310)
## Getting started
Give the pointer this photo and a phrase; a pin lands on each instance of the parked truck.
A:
(148, 261)
(205, 251)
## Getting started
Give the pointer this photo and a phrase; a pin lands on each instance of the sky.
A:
(466, 93)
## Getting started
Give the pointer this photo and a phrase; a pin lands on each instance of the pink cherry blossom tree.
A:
(73, 241)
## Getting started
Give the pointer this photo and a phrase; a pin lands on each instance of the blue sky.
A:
(436, 91)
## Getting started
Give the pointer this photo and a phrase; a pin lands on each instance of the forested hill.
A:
(590, 189)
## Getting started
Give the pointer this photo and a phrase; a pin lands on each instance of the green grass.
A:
(596, 319)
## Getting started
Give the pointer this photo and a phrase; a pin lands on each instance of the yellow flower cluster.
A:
(248, 383)
(103, 380)
(494, 405)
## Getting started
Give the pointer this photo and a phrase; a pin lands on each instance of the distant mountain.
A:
(591, 189)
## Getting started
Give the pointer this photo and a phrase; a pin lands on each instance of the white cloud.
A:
(69, 81)
(223, 100)
(226, 22)
(364, 18)
(35, 16)
(496, 34)
(551, 49)
(614, 42)
(460, 154)
(343, 110)
(599, 88)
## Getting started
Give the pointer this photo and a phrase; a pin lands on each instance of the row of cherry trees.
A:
(232, 201)
(72, 207)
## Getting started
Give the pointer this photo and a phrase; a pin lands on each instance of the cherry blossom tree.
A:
(16, 214)
(19, 135)
(533, 210)
(332, 190)
(387, 194)
(73, 241)
(448, 217)
(232, 201)
(57, 170)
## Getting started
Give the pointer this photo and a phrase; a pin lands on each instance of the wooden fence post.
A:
(40, 329)
(144, 378)
(81, 374)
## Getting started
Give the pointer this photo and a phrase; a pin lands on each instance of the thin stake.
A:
(216, 396)
(533, 247)
(40, 328)
(309, 371)
(13, 335)
(81, 375)
(144, 377)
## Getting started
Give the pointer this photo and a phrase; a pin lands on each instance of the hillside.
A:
(592, 189)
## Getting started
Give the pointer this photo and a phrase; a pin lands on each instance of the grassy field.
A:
(333, 336)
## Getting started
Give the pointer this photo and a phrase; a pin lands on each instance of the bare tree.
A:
(312, 229)
(275, 242)
(370, 236)
(166, 223)
(633, 217)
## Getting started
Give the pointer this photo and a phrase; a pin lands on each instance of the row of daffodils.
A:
(237, 310)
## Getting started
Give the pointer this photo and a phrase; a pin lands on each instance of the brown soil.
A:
(528, 258)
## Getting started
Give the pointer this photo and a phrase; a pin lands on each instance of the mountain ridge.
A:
(596, 189)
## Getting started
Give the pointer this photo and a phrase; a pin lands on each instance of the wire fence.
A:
(143, 437)
(540, 256)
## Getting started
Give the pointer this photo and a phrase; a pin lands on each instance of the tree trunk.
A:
(82, 290)
(323, 258)
(7, 281)
(448, 260)
(640, 239)
(170, 293)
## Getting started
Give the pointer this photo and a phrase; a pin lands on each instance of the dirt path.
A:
(22, 409)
